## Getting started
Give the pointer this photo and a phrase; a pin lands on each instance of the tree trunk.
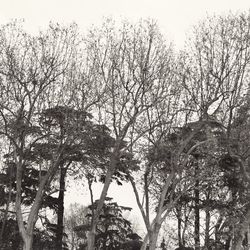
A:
(216, 229)
(151, 238)
(179, 226)
(91, 240)
(153, 242)
(184, 230)
(108, 178)
(60, 212)
(92, 233)
(27, 240)
(207, 236)
(154, 237)
(27, 232)
(27, 244)
(197, 210)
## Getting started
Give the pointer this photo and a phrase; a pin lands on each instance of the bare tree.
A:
(32, 70)
(211, 72)
(216, 72)
(133, 64)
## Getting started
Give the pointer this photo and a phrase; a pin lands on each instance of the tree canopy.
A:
(119, 104)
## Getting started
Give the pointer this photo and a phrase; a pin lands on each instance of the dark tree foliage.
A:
(11, 239)
(88, 143)
(113, 230)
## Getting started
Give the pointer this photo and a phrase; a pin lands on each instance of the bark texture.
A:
(60, 213)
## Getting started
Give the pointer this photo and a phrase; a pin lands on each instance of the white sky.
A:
(175, 17)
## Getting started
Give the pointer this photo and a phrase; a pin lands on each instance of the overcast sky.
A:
(174, 17)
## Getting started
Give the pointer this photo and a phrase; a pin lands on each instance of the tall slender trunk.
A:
(60, 212)
(237, 231)
(179, 233)
(105, 238)
(178, 209)
(207, 227)
(108, 178)
(154, 237)
(91, 239)
(27, 242)
(208, 217)
(151, 238)
(27, 239)
(197, 210)
(153, 242)
(216, 229)
(27, 232)
(92, 233)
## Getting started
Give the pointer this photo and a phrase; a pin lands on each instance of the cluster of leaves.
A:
(113, 230)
